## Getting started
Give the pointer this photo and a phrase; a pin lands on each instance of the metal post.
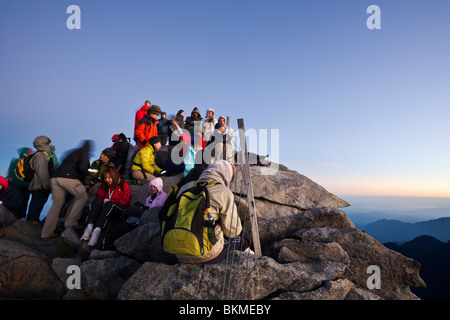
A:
(249, 185)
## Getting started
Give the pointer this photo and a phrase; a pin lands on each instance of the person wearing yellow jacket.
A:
(144, 166)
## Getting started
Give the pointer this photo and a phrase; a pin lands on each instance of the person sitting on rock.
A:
(228, 231)
(11, 200)
(112, 198)
(219, 145)
(144, 165)
(157, 195)
(122, 148)
(97, 167)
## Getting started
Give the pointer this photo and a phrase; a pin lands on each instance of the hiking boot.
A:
(94, 237)
(35, 223)
(87, 233)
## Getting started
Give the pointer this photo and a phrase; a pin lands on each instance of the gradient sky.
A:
(359, 111)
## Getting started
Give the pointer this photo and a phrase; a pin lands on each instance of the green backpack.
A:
(187, 227)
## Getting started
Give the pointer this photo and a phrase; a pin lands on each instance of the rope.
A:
(230, 265)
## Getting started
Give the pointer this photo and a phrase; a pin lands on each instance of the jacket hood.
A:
(220, 171)
(4, 183)
(195, 111)
(86, 146)
(42, 143)
(23, 152)
(157, 182)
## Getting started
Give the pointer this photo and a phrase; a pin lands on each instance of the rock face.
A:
(311, 251)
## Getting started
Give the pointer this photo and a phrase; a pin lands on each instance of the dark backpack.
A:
(187, 227)
(23, 169)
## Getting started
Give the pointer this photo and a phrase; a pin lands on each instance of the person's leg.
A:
(140, 178)
(26, 197)
(6, 217)
(58, 197)
(78, 190)
(94, 211)
(37, 203)
(110, 211)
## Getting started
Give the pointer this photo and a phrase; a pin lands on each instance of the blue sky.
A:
(361, 112)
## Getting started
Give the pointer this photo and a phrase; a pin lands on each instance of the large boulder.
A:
(26, 274)
(251, 278)
(286, 187)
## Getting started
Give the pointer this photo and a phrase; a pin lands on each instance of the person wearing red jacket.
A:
(112, 198)
(140, 114)
(147, 127)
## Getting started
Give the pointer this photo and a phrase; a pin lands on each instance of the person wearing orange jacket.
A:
(141, 114)
(147, 127)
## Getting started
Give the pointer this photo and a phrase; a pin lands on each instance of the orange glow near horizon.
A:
(356, 188)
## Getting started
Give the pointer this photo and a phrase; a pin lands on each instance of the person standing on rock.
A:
(147, 127)
(68, 178)
(42, 164)
(19, 184)
(139, 115)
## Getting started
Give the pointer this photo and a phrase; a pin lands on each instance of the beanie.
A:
(154, 140)
(110, 153)
(154, 109)
(218, 125)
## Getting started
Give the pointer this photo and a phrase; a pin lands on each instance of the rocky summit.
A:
(310, 251)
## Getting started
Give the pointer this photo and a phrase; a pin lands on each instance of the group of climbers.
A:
(192, 149)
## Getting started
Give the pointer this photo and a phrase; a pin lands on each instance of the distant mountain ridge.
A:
(386, 230)
(434, 256)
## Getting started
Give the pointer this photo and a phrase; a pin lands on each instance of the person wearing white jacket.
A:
(224, 211)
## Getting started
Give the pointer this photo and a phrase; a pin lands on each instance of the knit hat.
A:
(154, 140)
(4, 183)
(110, 153)
(218, 125)
(154, 109)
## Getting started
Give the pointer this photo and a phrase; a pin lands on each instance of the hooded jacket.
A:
(139, 115)
(160, 198)
(12, 199)
(146, 129)
(189, 123)
(223, 209)
(40, 164)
